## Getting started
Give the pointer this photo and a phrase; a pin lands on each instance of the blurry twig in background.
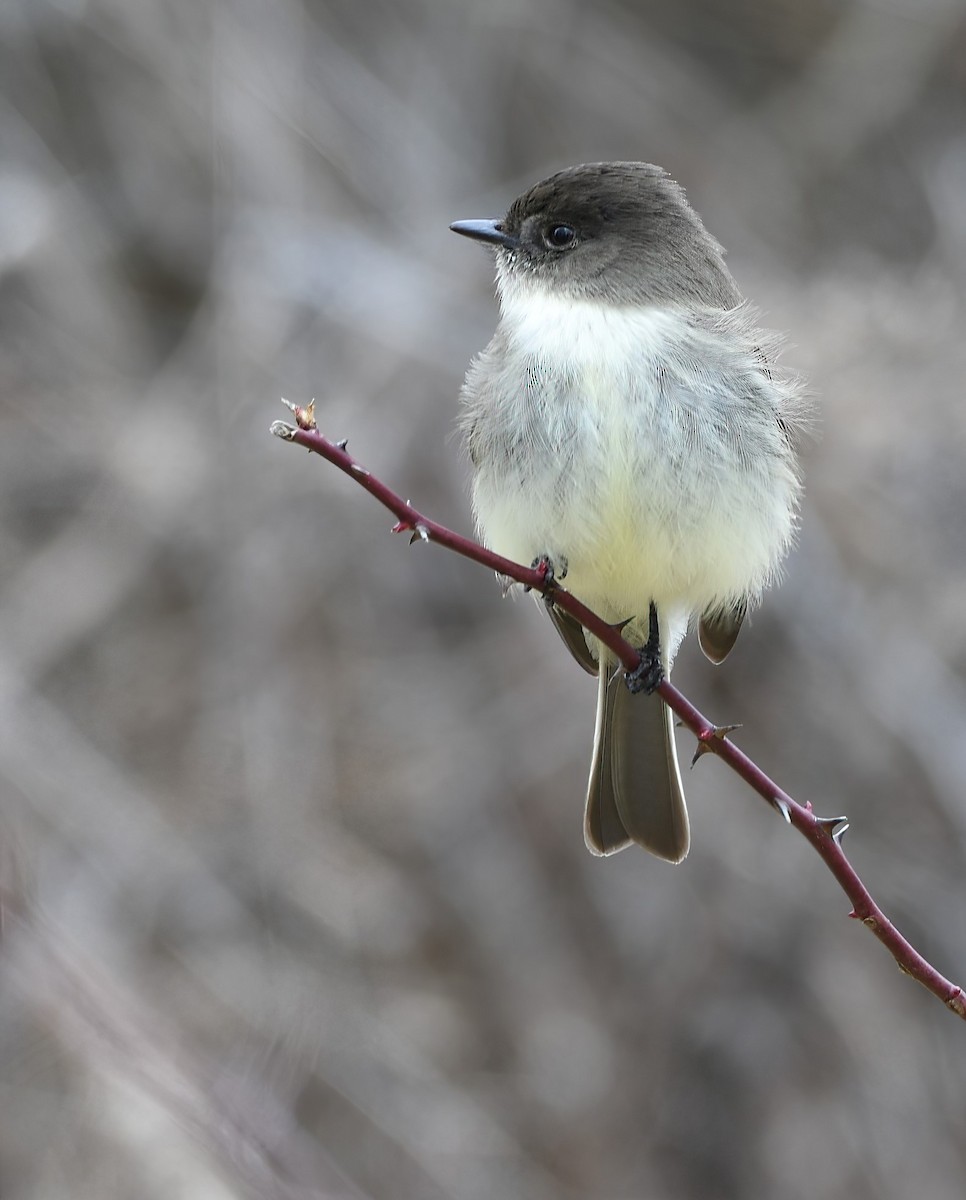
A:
(142, 1069)
(824, 833)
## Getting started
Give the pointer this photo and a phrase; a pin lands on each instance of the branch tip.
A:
(304, 417)
(282, 429)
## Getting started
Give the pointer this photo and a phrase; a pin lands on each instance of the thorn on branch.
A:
(783, 807)
(719, 732)
(835, 827)
(420, 534)
(342, 443)
(723, 731)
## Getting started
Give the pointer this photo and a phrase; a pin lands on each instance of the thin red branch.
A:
(824, 834)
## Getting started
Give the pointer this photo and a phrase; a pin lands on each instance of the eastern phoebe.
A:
(629, 423)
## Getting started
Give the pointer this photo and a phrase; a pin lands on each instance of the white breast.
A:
(635, 479)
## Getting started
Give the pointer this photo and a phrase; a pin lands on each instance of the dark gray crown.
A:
(635, 238)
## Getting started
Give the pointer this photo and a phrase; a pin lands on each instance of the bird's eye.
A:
(560, 237)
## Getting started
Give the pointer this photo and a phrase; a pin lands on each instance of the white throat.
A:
(582, 333)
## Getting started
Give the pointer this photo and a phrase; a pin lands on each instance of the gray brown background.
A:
(296, 899)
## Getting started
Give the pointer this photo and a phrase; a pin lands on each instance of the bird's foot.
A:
(551, 572)
(648, 675)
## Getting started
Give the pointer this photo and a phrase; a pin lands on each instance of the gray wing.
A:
(718, 630)
(572, 635)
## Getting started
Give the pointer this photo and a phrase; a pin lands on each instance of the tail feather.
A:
(635, 792)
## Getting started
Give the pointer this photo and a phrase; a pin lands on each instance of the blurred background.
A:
(296, 901)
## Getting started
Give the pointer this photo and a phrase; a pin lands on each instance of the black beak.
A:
(485, 231)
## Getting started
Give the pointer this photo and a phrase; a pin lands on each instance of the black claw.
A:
(554, 568)
(544, 563)
(647, 676)
(551, 573)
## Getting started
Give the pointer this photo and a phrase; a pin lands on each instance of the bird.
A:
(630, 426)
